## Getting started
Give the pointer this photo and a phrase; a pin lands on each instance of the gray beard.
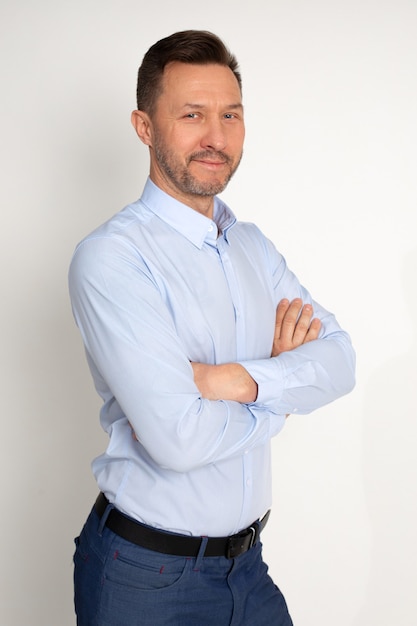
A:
(182, 178)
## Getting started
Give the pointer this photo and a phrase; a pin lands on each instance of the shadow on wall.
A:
(51, 409)
(390, 470)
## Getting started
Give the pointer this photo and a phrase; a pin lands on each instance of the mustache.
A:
(216, 155)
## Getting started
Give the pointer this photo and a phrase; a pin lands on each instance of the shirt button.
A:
(248, 482)
(210, 228)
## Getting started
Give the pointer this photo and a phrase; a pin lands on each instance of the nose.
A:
(214, 137)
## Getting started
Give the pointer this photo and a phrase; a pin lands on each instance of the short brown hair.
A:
(198, 47)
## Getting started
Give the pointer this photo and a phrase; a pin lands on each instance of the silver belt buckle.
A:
(253, 537)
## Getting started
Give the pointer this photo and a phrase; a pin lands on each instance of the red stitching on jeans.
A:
(162, 569)
(116, 555)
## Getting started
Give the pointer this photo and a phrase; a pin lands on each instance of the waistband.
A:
(177, 544)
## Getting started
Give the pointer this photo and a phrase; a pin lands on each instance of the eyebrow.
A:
(191, 105)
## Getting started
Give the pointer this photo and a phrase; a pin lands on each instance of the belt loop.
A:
(104, 517)
(200, 555)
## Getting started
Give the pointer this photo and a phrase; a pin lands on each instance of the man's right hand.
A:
(294, 326)
(230, 381)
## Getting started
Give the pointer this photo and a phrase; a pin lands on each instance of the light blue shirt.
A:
(160, 285)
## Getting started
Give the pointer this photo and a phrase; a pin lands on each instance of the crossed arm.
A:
(294, 326)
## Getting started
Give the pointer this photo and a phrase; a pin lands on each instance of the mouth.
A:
(215, 158)
(211, 162)
(212, 165)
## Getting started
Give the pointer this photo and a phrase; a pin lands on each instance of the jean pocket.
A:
(144, 570)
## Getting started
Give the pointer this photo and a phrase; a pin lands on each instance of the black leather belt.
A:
(179, 545)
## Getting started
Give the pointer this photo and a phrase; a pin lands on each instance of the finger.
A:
(282, 308)
(303, 325)
(313, 331)
(290, 321)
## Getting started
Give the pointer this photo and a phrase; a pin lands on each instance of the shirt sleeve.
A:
(312, 375)
(141, 369)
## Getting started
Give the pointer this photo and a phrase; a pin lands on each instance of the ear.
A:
(143, 126)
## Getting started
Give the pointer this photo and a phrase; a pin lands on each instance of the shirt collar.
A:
(190, 223)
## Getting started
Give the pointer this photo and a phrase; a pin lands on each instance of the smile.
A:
(210, 164)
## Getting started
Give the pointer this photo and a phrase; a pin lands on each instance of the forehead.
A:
(186, 81)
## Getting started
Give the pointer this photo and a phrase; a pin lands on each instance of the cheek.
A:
(185, 138)
(236, 139)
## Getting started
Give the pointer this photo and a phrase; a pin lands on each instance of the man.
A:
(200, 342)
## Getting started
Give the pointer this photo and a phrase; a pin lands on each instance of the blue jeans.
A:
(118, 583)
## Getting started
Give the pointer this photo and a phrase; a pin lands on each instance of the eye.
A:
(233, 117)
(191, 116)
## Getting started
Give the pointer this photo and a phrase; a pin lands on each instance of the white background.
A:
(329, 173)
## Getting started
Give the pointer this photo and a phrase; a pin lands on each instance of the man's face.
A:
(197, 131)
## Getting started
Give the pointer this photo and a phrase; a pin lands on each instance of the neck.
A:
(201, 204)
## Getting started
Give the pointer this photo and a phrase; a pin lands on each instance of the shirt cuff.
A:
(269, 376)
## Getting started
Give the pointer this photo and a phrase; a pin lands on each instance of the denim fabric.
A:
(120, 584)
